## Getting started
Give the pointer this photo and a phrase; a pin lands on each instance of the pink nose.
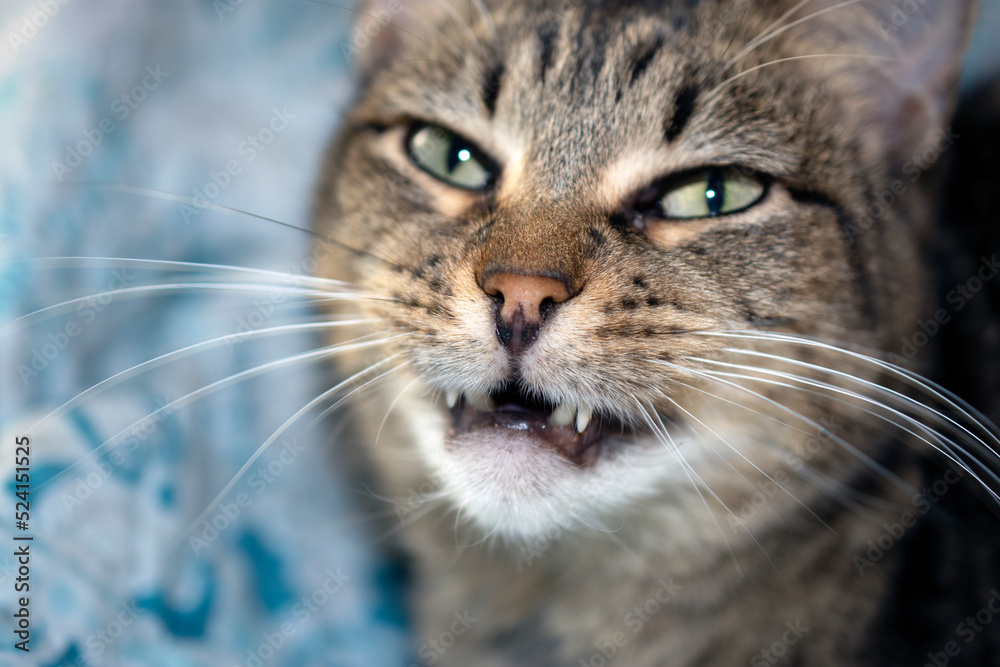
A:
(525, 294)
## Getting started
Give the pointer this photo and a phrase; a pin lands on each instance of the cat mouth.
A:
(575, 432)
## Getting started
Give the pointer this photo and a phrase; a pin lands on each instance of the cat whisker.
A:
(388, 410)
(422, 500)
(488, 21)
(768, 36)
(735, 77)
(743, 16)
(464, 25)
(170, 288)
(153, 193)
(325, 395)
(321, 353)
(661, 432)
(887, 474)
(743, 456)
(175, 355)
(944, 446)
(973, 418)
(70, 262)
(201, 204)
(739, 405)
(840, 401)
(458, 519)
(843, 492)
(924, 410)
(781, 19)
(924, 385)
(409, 520)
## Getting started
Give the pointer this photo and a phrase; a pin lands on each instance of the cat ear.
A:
(920, 45)
(929, 39)
(383, 29)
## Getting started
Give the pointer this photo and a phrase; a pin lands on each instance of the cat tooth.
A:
(583, 418)
(562, 415)
(451, 398)
(481, 402)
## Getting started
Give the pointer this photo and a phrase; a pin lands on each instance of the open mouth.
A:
(574, 431)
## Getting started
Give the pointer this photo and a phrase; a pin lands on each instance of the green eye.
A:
(449, 157)
(710, 193)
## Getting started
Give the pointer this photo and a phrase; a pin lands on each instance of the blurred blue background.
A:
(232, 102)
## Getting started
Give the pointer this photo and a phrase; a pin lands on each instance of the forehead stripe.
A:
(491, 87)
(683, 108)
(643, 58)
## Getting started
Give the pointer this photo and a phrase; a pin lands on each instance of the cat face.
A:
(560, 212)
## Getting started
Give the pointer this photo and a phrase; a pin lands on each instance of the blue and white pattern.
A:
(233, 102)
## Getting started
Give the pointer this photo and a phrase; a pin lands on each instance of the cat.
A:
(636, 267)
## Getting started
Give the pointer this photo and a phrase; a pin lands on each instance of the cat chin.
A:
(511, 484)
(515, 487)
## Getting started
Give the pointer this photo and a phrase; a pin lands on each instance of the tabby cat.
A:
(639, 268)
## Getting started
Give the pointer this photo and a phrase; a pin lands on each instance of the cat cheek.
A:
(671, 234)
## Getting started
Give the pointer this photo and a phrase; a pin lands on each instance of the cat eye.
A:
(450, 158)
(710, 193)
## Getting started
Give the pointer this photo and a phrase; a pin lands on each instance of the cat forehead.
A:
(568, 96)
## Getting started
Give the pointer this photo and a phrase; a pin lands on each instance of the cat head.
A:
(560, 212)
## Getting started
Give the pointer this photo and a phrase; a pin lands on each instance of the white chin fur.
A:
(510, 485)
(521, 490)
(517, 488)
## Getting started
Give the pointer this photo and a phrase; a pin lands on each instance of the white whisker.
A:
(71, 262)
(944, 446)
(875, 465)
(145, 290)
(321, 353)
(743, 456)
(663, 435)
(833, 485)
(176, 355)
(769, 36)
(735, 77)
(388, 410)
(922, 384)
(284, 427)
(925, 410)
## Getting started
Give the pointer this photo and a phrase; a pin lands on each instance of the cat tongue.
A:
(578, 448)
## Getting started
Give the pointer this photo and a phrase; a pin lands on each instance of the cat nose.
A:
(524, 298)
(524, 294)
